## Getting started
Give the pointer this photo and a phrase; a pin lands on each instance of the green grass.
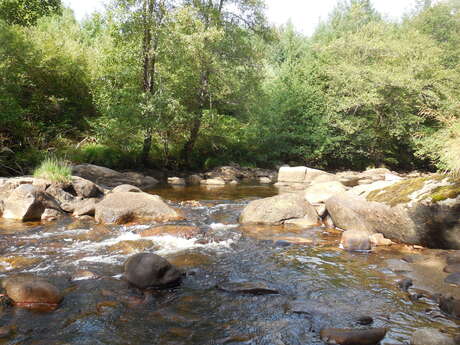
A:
(54, 170)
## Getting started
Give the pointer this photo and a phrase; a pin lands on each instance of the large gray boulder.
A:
(278, 210)
(85, 188)
(300, 175)
(124, 207)
(320, 192)
(292, 174)
(422, 211)
(111, 178)
(146, 270)
(27, 203)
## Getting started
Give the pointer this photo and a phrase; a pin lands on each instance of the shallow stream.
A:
(319, 284)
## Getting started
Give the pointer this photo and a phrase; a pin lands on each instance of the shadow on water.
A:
(319, 285)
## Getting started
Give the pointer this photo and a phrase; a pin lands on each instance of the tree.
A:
(379, 77)
(223, 59)
(27, 12)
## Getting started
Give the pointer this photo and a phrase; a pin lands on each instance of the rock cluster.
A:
(32, 199)
(224, 175)
(377, 205)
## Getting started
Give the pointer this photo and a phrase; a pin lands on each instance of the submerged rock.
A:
(146, 270)
(353, 336)
(120, 208)
(355, 240)
(213, 182)
(279, 209)
(430, 336)
(172, 230)
(131, 247)
(194, 179)
(250, 287)
(31, 292)
(405, 284)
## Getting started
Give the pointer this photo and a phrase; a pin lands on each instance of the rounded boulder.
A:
(146, 270)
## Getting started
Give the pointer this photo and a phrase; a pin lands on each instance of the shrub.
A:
(54, 170)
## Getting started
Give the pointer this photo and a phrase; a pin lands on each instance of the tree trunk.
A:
(146, 147)
(190, 144)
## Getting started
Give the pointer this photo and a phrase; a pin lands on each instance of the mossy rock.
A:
(446, 192)
(402, 192)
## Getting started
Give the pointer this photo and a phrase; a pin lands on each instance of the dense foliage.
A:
(198, 83)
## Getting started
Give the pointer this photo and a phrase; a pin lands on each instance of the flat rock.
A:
(430, 336)
(397, 265)
(353, 336)
(111, 178)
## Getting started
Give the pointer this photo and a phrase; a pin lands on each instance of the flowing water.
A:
(319, 285)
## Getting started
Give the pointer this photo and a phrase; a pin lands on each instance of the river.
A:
(319, 284)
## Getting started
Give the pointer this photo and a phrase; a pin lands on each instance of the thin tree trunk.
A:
(190, 144)
(152, 17)
(146, 147)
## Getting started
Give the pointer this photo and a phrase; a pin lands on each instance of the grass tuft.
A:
(54, 170)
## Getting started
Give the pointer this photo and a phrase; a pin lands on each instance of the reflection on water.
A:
(319, 284)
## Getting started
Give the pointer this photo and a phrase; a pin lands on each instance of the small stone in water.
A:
(365, 320)
(405, 284)
(453, 279)
(282, 243)
(353, 336)
(84, 275)
(6, 331)
(255, 288)
(452, 268)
